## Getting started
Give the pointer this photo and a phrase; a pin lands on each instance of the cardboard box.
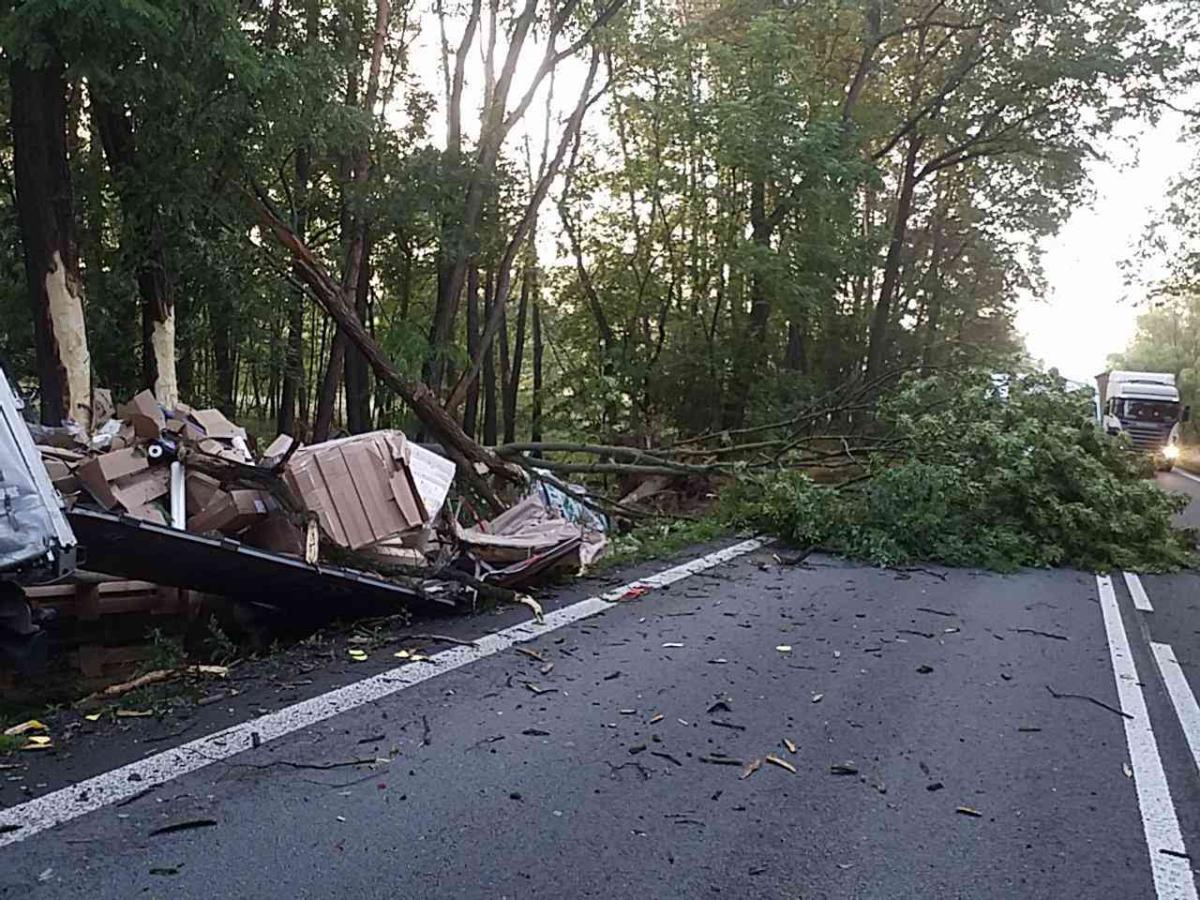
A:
(100, 472)
(360, 488)
(433, 475)
(62, 475)
(145, 415)
(216, 448)
(277, 534)
(134, 491)
(183, 430)
(215, 425)
(232, 511)
(151, 512)
(198, 491)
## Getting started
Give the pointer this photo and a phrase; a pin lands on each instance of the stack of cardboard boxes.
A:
(376, 493)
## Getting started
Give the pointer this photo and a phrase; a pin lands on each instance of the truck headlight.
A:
(1171, 451)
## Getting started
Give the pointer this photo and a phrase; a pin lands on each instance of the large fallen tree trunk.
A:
(471, 457)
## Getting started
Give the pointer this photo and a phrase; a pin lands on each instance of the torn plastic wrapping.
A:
(26, 531)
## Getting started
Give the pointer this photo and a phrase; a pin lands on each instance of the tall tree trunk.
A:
(748, 363)
(45, 210)
(143, 240)
(535, 407)
(489, 369)
(471, 412)
(358, 375)
(878, 340)
(518, 352)
(295, 384)
(505, 376)
(355, 230)
(293, 367)
(796, 356)
(222, 325)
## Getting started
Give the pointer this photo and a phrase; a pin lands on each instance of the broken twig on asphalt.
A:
(1112, 709)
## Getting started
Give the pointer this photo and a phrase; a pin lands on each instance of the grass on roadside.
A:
(659, 539)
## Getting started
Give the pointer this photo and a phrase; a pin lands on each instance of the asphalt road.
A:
(917, 708)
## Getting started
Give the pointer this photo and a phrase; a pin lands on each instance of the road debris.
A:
(784, 648)
(791, 745)
(1127, 769)
(781, 763)
(721, 705)
(751, 767)
(720, 760)
(936, 612)
(1057, 695)
(537, 689)
(723, 724)
(968, 811)
(25, 728)
(843, 768)
(358, 655)
(185, 825)
(662, 754)
(656, 718)
(532, 654)
(924, 669)
(672, 645)
(816, 698)
(1039, 633)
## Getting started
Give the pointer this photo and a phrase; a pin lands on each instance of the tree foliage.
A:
(984, 476)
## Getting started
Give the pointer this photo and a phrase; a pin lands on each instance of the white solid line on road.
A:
(1179, 471)
(69, 803)
(1181, 696)
(1173, 879)
(1137, 592)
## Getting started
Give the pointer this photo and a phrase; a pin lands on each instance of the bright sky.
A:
(1089, 312)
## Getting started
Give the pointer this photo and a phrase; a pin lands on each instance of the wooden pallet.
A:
(87, 598)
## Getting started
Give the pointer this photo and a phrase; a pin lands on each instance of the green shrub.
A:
(983, 477)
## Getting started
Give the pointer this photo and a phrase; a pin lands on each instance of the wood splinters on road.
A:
(720, 760)
(1039, 633)
(791, 745)
(751, 767)
(1100, 703)
(969, 811)
(532, 654)
(782, 763)
(186, 825)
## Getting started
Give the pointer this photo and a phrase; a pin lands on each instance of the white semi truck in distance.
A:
(1144, 406)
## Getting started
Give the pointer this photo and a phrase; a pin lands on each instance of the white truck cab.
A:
(1144, 406)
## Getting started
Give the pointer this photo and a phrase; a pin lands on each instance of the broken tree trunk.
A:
(465, 452)
(46, 214)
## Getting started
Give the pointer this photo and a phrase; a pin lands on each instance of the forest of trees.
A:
(612, 218)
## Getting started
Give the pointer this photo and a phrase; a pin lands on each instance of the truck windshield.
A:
(1149, 410)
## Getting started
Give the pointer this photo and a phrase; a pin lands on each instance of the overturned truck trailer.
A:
(36, 543)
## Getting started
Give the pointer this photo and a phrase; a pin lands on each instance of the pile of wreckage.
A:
(375, 501)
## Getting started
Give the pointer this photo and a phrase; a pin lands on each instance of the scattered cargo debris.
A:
(179, 496)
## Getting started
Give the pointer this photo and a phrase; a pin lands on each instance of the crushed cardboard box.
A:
(232, 511)
(360, 488)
